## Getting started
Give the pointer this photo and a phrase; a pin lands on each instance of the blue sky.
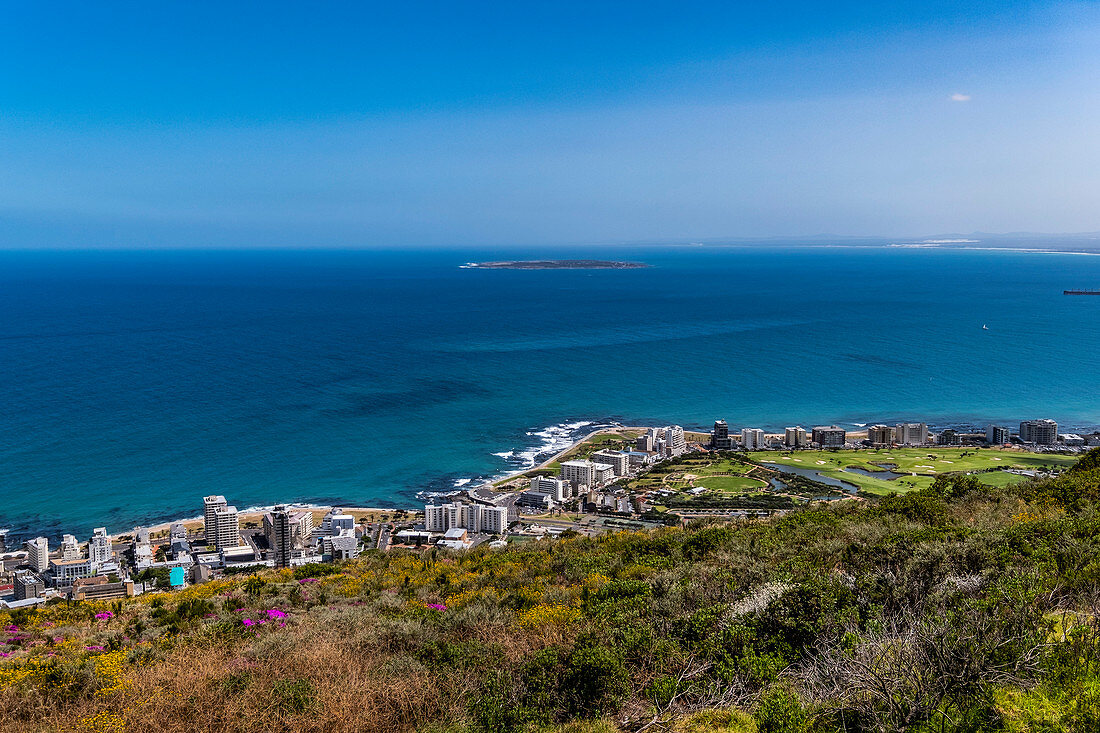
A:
(456, 124)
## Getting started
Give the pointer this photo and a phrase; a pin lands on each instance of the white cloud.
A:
(960, 97)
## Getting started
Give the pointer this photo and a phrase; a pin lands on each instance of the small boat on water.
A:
(985, 327)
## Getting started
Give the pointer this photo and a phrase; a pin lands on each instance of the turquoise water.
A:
(135, 383)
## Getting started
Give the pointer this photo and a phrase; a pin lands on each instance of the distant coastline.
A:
(554, 265)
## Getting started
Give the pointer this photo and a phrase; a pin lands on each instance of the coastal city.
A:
(614, 479)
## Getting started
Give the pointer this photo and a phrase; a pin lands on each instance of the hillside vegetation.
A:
(960, 607)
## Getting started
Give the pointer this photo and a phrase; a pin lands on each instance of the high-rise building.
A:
(99, 547)
(38, 554)
(752, 438)
(70, 548)
(913, 433)
(880, 435)
(644, 443)
(675, 444)
(494, 519)
(474, 517)
(227, 528)
(557, 489)
(948, 436)
(794, 437)
(720, 438)
(210, 507)
(584, 473)
(280, 538)
(617, 459)
(830, 436)
(1040, 432)
(997, 435)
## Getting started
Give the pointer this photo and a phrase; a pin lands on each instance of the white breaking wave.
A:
(462, 482)
(550, 441)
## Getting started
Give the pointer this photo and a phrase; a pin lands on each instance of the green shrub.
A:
(780, 711)
(595, 680)
(294, 696)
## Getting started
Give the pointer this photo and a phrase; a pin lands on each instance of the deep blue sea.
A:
(134, 383)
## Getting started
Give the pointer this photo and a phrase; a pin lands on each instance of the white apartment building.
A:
(494, 519)
(557, 489)
(579, 473)
(474, 517)
(795, 437)
(210, 507)
(913, 433)
(227, 528)
(675, 444)
(752, 438)
(99, 547)
(1040, 432)
(70, 548)
(617, 459)
(64, 572)
(38, 554)
(997, 435)
(335, 522)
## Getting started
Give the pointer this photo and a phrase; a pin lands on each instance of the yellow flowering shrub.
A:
(102, 723)
(465, 598)
(110, 673)
(546, 614)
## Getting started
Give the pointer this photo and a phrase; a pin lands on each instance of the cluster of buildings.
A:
(666, 442)
(1037, 434)
(103, 569)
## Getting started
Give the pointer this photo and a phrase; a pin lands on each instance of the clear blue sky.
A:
(159, 124)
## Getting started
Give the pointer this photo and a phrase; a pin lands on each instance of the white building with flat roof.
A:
(210, 507)
(473, 517)
(227, 528)
(70, 548)
(578, 473)
(675, 444)
(1040, 432)
(617, 459)
(752, 438)
(64, 572)
(911, 433)
(38, 554)
(557, 489)
(99, 547)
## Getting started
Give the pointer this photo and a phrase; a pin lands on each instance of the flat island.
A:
(555, 265)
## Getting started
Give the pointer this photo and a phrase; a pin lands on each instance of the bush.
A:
(781, 711)
(595, 681)
(294, 696)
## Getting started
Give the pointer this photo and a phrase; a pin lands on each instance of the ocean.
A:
(135, 383)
